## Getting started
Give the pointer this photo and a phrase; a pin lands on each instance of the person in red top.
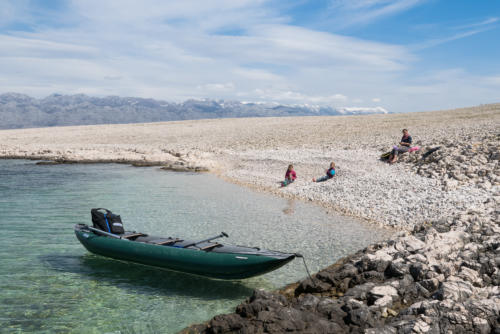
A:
(290, 176)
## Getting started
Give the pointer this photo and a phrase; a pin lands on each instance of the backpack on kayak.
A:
(107, 221)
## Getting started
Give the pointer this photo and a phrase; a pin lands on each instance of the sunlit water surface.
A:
(50, 283)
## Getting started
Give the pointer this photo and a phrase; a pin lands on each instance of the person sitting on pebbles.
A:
(330, 172)
(404, 146)
(290, 176)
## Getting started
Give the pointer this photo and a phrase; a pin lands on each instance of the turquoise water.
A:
(50, 284)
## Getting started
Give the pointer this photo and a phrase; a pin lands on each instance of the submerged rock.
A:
(178, 167)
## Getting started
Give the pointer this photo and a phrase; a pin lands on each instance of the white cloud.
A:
(438, 41)
(298, 97)
(258, 75)
(448, 89)
(321, 49)
(482, 23)
(362, 110)
(147, 54)
(221, 49)
(13, 46)
(354, 12)
(467, 30)
(217, 87)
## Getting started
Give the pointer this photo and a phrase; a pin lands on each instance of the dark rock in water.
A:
(336, 277)
(184, 168)
(308, 286)
(56, 162)
(43, 163)
(146, 163)
(66, 161)
(272, 313)
(230, 322)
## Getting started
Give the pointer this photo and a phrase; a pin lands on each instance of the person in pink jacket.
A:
(290, 176)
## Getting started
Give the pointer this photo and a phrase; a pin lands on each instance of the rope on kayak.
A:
(307, 269)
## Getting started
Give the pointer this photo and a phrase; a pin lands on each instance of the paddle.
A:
(222, 234)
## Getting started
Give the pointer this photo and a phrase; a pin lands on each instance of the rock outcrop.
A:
(443, 277)
(467, 162)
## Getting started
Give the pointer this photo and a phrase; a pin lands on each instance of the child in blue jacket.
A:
(330, 172)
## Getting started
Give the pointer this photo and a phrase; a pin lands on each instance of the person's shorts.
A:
(401, 149)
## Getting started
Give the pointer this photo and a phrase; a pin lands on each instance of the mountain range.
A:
(23, 111)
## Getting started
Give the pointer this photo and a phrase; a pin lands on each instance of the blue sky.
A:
(405, 55)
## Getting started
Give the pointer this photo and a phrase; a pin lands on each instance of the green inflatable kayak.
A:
(203, 257)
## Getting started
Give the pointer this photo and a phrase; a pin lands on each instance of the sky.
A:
(401, 55)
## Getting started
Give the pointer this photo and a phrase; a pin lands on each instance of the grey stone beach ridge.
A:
(438, 274)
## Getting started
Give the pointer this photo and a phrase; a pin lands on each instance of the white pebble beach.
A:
(255, 152)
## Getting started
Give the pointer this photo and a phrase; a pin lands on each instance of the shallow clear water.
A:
(50, 283)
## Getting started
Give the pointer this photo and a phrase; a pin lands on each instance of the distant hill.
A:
(23, 111)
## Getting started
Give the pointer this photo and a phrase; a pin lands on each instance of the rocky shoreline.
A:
(439, 275)
(175, 166)
(443, 277)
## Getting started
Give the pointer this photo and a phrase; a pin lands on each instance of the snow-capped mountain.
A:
(23, 111)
